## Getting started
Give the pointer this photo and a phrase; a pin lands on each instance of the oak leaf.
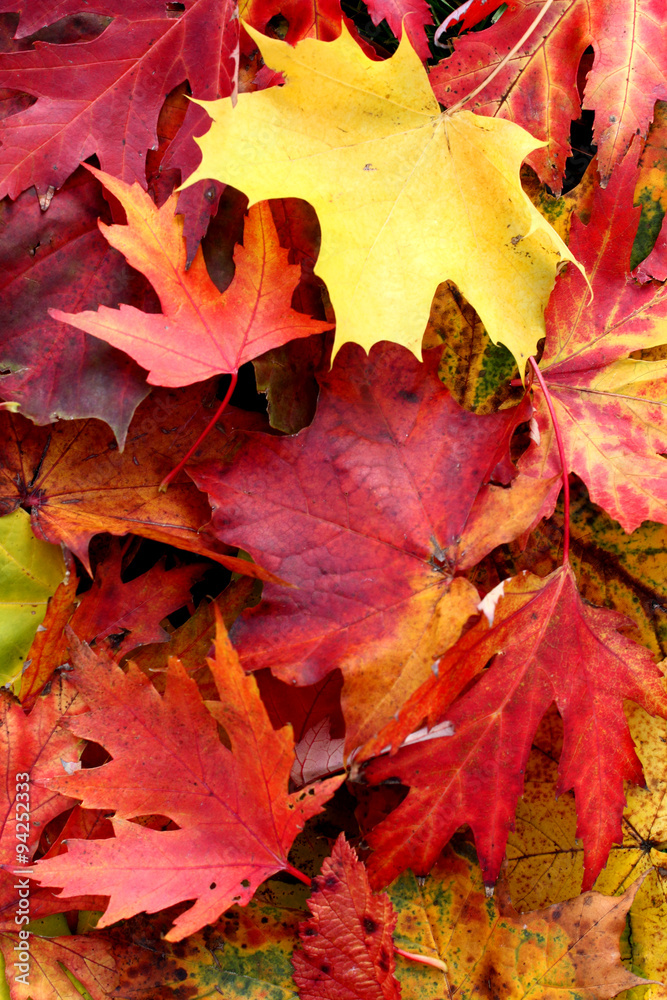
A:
(200, 331)
(347, 946)
(548, 646)
(367, 529)
(235, 816)
(121, 77)
(132, 611)
(407, 197)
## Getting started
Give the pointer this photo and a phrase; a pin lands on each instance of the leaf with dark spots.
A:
(342, 954)
(167, 759)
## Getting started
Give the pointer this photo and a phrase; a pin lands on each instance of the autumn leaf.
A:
(613, 569)
(59, 258)
(49, 646)
(568, 950)
(430, 191)
(30, 572)
(244, 956)
(132, 611)
(41, 471)
(545, 859)
(367, 529)
(475, 776)
(235, 816)
(315, 715)
(33, 744)
(200, 332)
(410, 16)
(120, 77)
(347, 947)
(86, 957)
(193, 641)
(537, 88)
(595, 385)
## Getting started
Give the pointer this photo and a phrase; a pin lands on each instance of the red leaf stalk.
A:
(306, 879)
(561, 452)
(218, 413)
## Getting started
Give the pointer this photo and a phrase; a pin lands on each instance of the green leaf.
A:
(30, 571)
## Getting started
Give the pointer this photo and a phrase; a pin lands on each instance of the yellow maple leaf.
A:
(407, 196)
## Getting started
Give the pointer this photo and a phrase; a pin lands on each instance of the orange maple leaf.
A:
(201, 331)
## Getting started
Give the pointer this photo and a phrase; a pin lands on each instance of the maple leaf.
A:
(651, 193)
(568, 950)
(33, 745)
(59, 257)
(406, 196)
(347, 944)
(366, 528)
(236, 819)
(621, 87)
(610, 407)
(122, 76)
(41, 471)
(613, 569)
(410, 16)
(475, 776)
(200, 332)
(244, 954)
(133, 609)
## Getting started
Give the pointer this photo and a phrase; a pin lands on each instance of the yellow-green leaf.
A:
(407, 196)
(567, 951)
(30, 571)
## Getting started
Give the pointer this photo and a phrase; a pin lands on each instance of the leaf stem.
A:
(437, 963)
(306, 879)
(214, 419)
(561, 452)
(503, 62)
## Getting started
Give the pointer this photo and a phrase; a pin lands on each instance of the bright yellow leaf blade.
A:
(406, 196)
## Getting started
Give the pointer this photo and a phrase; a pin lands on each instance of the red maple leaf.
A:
(236, 818)
(537, 88)
(363, 512)
(413, 15)
(347, 945)
(609, 406)
(32, 748)
(548, 646)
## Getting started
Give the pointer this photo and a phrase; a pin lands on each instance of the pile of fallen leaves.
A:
(435, 532)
